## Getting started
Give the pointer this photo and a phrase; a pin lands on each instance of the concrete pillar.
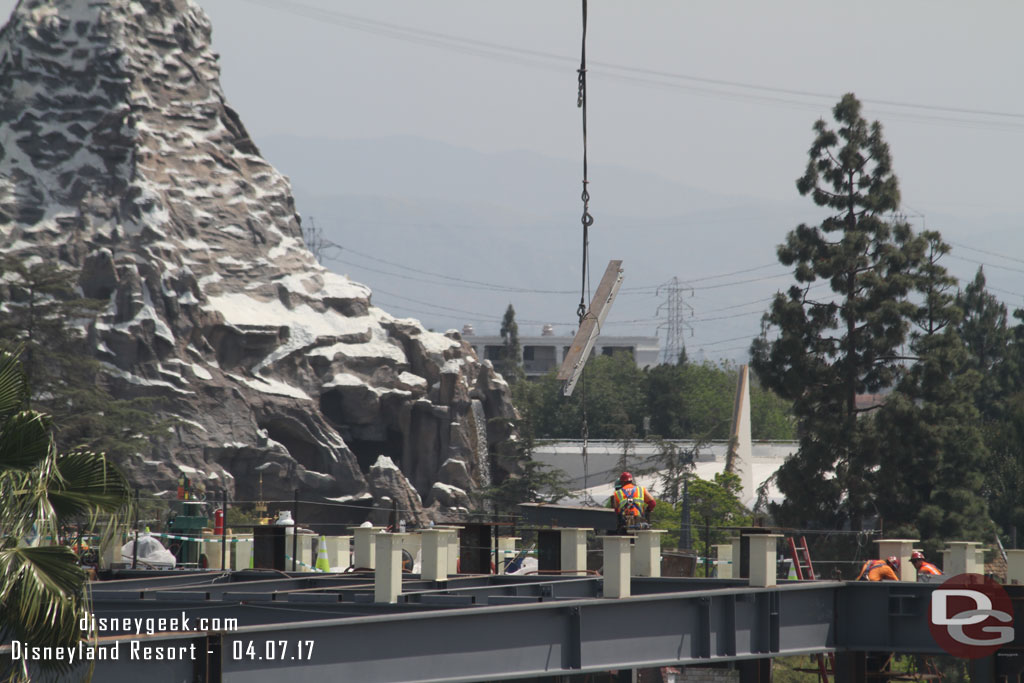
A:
(574, 551)
(962, 558)
(506, 551)
(1014, 566)
(110, 553)
(616, 566)
(723, 554)
(412, 544)
(901, 548)
(736, 544)
(365, 548)
(453, 546)
(646, 557)
(434, 543)
(211, 548)
(387, 575)
(308, 544)
(242, 553)
(339, 552)
(762, 559)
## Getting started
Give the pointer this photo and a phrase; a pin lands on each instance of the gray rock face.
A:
(120, 158)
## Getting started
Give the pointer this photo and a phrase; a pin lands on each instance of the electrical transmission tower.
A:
(314, 239)
(676, 309)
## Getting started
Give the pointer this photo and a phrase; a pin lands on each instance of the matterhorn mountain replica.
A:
(120, 159)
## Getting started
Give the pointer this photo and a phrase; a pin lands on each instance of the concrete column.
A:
(452, 534)
(242, 553)
(365, 548)
(723, 557)
(616, 566)
(412, 544)
(506, 551)
(901, 548)
(211, 548)
(308, 544)
(736, 544)
(574, 551)
(762, 559)
(339, 552)
(453, 546)
(1014, 566)
(387, 574)
(646, 557)
(435, 554)
(110, 553)
(962, 558)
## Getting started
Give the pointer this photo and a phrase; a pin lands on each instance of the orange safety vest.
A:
(877, 570)
(928, 568)
(630, 503)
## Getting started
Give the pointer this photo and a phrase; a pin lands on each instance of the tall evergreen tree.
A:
(995, 351)
(511, 364)
(834, 345)
(933, 457)
(42, 311)
(986, 335)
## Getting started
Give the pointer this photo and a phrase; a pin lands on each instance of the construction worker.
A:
(925, 570)
(879, 570)
(632, 502)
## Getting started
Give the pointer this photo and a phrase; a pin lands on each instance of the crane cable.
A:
(587, 220)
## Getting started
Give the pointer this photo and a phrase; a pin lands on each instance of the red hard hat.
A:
(916, 555)
(893, 561)
(625, 478)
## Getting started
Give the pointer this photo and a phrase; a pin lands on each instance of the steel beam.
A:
(538, 627)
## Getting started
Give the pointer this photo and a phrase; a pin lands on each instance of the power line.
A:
(695, 84)
(983, 251)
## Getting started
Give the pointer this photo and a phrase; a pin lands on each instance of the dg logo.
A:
(970, 616)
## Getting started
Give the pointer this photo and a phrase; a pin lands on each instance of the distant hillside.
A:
(513, 218)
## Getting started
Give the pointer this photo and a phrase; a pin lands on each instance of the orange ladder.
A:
(801, 558)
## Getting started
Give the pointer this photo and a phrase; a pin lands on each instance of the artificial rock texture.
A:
(120, 158)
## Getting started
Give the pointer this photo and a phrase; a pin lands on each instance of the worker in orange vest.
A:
(878, 570)
(925, 570)
(632, 502)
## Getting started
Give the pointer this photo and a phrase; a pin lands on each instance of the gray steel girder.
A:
(415, 643)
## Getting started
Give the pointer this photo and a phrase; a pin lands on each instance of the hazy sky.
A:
(468, 73)
(717, 95)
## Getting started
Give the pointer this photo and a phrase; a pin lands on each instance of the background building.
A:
(544, 353)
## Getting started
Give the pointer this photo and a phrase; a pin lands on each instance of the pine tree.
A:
(43, 312)
(836, 344)
(511, 363)
(987, 335)
(933, 458)
(995, 351)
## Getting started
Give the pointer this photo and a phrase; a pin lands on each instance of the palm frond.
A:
(26, 441)
(13, 385)
(42, 595)
(88, 484)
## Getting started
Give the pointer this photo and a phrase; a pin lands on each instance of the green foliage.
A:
(42, 588)
(511, 367)
(682, 401)
(43, 314)
(933, 457)
(715, 512)
(833, 345)
(613, 389)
